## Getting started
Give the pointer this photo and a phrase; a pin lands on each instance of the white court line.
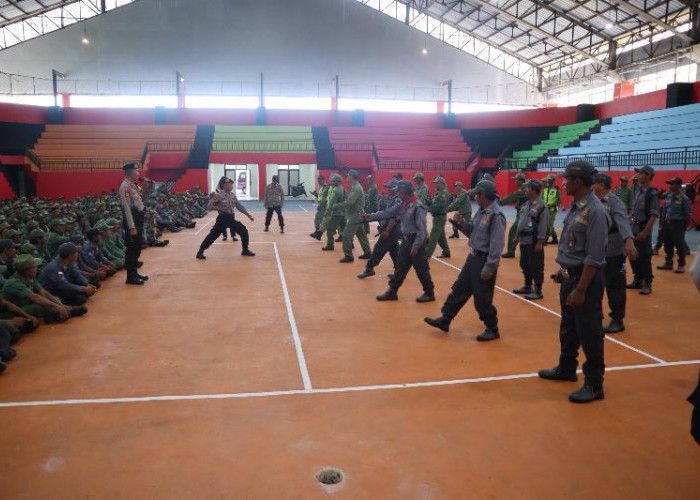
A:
(305, 210)
(333, 390)
(293, 324)
(532, 303)
(205, 225)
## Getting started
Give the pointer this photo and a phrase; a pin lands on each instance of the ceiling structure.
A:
(554, 42)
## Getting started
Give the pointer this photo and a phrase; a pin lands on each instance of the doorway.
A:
(241, 177)
(289, 177)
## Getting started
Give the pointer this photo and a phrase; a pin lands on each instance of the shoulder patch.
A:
(127, 193)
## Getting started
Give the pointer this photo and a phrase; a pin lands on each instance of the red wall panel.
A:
(299, 117)
(192, 179)
(107, 116)
(167, 160)
(22, 113)
(636, 104)
(696, 92)
(403, 120)
(214, 116)
(541, 117)
(74, 184)
(6, 192)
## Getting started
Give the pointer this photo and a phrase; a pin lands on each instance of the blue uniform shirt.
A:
(585, 235)
(677, 206)
(412, 218)
(487, 233)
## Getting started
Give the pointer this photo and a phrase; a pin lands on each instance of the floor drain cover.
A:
(329, 476)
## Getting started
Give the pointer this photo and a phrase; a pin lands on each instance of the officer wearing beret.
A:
(645, 211)
(462, 204)
(518, 198)
(132, 216)
(531, 235)
(478, 276)
(677, 215)
(412, 217)
(581, 255)
(620, 246)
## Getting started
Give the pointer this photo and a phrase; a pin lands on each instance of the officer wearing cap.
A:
(677, 215)
(372, 201)
(645, 211)
(389, 231)
(421, 189)
(8, 253)
(620, 246)
(132, 216)
(478, 276)
(581, 255)
(412, 216)
(354, 205)
(438, 208)
(462, 204)
(531, 236)
(62, 278)
(335, 213)
(624, 192)
(551, 195)
(321, 194)
(518, 198)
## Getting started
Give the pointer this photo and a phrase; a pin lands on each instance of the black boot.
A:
(523, 290)
(614, 326)
(488, 334)
(557, 373)
(388, 295)
(200, 255)
(587, 394)
(636, 284)
(536, 294)
(440, 322)
(366, 274)
(646, 288)
(247, 253)
(426, 297)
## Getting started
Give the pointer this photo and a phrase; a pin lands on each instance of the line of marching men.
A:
(600, 232)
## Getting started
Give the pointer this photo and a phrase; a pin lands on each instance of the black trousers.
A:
(383, 246)
(583, 327)
(222, 222)
(532, 265)
(674, 239)
(404, 262)
(268, 216)
(469, 283)
(70, 297)
(642, 265)
(133, 243)
(616, 286)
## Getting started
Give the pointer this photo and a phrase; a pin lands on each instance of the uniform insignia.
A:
(581, 220)
(127, 193)
(487, 218)
(584, 213)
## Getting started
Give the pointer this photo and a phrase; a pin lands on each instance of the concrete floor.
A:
(241, 377)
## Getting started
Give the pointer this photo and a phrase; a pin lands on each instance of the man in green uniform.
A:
(320, 195)
(335, 215)
(57, 237)
(421, 190)
(635, 186)
(354, 205)
(551, 195)
(372, 204)
(625, 194)
(462, 204)
(438, 208)
(519, 198)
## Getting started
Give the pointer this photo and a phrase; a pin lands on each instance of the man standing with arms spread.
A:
(463, 205)
(551, 195)
(412, 216)
(478, 276)
(354, 206)
(620, 246)
(132, 222)
(438, 209)
(625, 194)
(518, 197)
(581, 255)
(677, 211)
(645, 210)
(421, 189)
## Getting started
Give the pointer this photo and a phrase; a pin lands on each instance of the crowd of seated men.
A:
(55, 253)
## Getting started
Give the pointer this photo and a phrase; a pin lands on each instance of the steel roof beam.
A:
(651, 19)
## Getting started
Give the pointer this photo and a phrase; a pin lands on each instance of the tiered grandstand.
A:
(261, 139)
(106, 147)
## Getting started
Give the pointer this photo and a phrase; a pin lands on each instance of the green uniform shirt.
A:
(518, 197)
(423, 194)
(462, 204)
(625, 195)
(440, 202)
(17, 290)
(372, 198)
(55, 240)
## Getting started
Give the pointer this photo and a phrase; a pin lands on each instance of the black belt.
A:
(478, 253)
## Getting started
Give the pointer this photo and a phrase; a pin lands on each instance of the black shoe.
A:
(200, 255)
(390, 276)
(316, 235)
(327, 248)
(247, 253)
(233, 238)
(555, 240)
(134, 281)
(655, 250)
(523, 290)
(365, 256)
(281, 230)
(3, 367)
(440, 322)
(534, 295)
(614, 327)
(454, 237)
(339, 239)
(225, 238)
(636, 284)
(139, 264)
(143, 277)
(557, 373)
(508, 255)
(444, 255)
(646, 289)
(426, 297)
(78, 311)
(8, 355)
(586, 394)
(680, 270)
(666, 266)
(366, 274)
(487, 335)
(346, 259)
(267, 229)
(388, 295)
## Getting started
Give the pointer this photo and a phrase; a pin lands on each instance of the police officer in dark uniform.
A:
(678, 213)
(132, 222)
(645, 210)
(389, 232)
(581, 255)
(620, 246)
(533, 226)
(487, 233)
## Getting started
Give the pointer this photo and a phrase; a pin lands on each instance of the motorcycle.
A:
(299, 190)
